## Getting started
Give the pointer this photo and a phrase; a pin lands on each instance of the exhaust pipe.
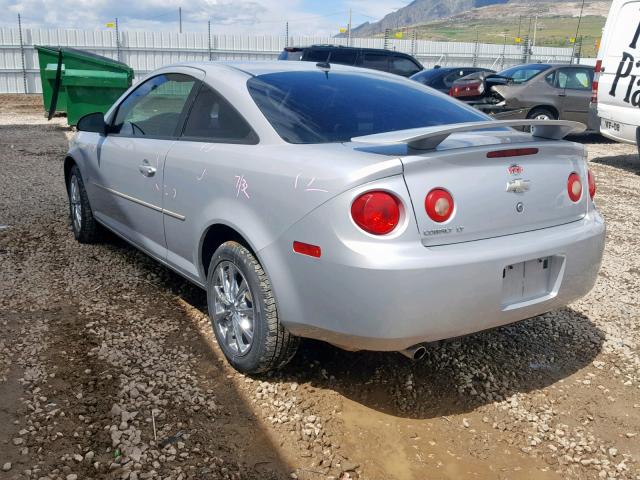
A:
(417, 352)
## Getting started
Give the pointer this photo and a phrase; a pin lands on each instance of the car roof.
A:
(328, 46)
(255, 68)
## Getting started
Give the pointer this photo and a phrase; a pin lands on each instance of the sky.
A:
(305, 17)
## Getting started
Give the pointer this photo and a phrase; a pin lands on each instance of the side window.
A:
(376, 61)
(574, 78)
(213, 119)
(154, 108)
(316, 55)
(403, 66)
(344, 57)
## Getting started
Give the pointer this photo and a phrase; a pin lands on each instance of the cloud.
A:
(243, 17)
(374, 10)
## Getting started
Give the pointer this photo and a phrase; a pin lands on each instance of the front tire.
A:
(243, 312)
(84, 226)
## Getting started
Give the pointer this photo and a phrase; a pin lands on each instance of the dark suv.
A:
(377, 59)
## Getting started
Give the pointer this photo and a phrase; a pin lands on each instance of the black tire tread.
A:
(280, 345)
(90, 229)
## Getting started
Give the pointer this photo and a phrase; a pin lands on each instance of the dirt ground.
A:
(109, 369)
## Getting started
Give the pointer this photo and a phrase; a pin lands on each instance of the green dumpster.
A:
(76, 82)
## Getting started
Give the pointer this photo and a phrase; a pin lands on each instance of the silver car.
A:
(337, 203)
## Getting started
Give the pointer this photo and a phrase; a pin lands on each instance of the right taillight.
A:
(592, 184)
(596, 78)
(574, 187)
(439, 205)
(376, 212)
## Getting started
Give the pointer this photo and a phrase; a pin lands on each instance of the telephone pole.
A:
(286, 32)
(349, 30)
(118, 41)
(24, 69)
(209, 37)
(575, 39)
(180, 18)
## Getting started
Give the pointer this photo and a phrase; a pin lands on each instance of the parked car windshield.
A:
(523, 73)
(319, 107)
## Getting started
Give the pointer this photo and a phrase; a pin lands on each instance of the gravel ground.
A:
(108, 367)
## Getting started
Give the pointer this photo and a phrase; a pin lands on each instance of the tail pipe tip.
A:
(417, 352)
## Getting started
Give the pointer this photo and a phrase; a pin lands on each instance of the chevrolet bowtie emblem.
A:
(518, 185)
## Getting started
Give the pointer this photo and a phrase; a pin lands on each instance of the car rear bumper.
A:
(423, 294)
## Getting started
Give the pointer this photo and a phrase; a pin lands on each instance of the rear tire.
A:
(541, 113)
(84, 226)
(243, 312)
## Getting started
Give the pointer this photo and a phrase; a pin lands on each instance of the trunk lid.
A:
(484, 204)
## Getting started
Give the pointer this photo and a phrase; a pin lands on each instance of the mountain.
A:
(421, 12)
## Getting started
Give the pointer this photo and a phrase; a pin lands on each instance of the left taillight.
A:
(376, 212)
(469, 89)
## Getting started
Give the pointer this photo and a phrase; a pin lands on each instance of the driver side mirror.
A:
(93, 122)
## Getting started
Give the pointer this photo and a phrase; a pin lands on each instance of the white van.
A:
(616, 86)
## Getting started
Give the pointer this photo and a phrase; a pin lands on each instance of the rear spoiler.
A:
(428, 138)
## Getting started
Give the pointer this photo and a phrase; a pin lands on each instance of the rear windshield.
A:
(427, 76)
(523, 73)
(318, 107)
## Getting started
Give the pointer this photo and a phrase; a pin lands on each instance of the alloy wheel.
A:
(233, 312)
(76, 204)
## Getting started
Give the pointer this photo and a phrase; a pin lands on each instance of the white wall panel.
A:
(146, 51)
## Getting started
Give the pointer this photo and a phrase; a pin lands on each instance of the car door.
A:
(203, 171)
(575, 86)
(128, 183)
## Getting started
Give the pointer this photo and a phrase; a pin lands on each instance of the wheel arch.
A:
(69, 162)
(551, 108)
(214, 236)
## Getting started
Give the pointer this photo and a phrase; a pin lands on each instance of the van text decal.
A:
(624, 71)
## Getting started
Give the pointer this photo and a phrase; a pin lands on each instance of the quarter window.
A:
(551, 79)
(154, 108)
(213, 119)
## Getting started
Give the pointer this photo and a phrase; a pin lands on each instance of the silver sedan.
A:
(336, 203)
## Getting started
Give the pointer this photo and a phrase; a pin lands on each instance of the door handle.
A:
(147, 170)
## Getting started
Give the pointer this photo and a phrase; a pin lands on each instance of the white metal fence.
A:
(146, 51)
